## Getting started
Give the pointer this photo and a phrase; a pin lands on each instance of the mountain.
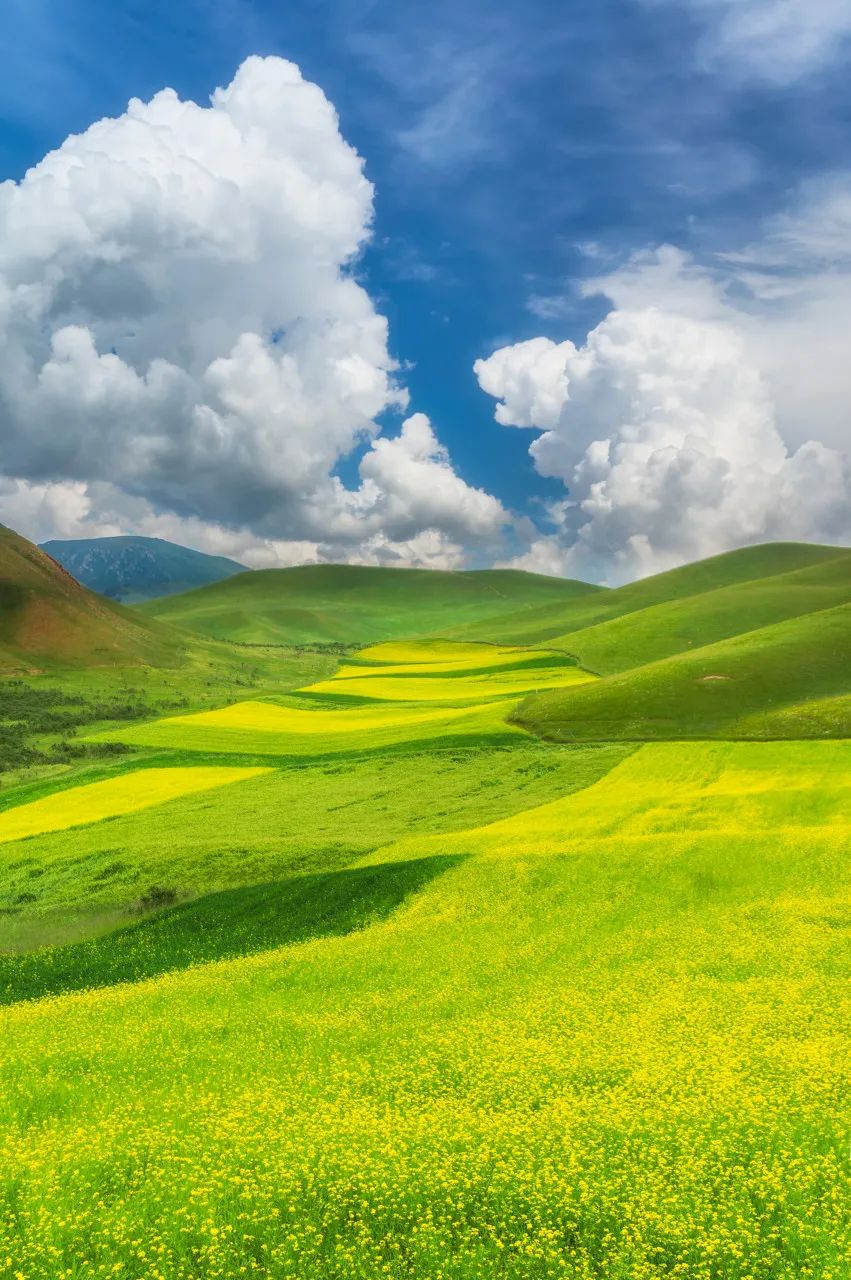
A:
(356, 605)
(48, 619)
(132, 569)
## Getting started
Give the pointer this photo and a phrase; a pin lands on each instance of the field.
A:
(444, 957)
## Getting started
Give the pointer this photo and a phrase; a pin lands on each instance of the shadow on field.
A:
(219, 926)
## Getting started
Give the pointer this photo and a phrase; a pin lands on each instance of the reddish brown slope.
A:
(47, 617)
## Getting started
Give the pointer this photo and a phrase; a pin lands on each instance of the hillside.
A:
(733, 688)
(558, 622)
(131, 569)
(47, 619)
(690, 622)
(354, 605)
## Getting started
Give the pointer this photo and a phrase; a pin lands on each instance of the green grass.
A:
(439, 999)
(558, 623)
(313, 817)
(730, 689)
(355, 605)
(219, 926)
(677, 626)
(623, 1055)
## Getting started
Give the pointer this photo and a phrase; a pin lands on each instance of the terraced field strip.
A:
(451, 673)
(265, 728)
(453, 689)
(127, 794)
(443, 656)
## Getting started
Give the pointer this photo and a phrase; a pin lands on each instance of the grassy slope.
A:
(607, 1041)
(720, 690)
(48, 620)
(675, 626)
(558, 623)
(356, 605)
(622, 1055)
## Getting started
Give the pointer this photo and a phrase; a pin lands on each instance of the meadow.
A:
(450, 959)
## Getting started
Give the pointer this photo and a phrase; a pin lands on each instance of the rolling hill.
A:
(131, 569)
(47, 619)
(356, 605)
(690, 622)
(558, 622)
(733, 688)
(335, 968)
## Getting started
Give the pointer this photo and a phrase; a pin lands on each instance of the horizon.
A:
(331, 564)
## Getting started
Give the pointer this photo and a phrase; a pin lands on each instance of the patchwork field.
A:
(359, 976)
(111, 798)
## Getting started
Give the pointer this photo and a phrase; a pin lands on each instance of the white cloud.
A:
(709, 409)
(409, 509)
(182, 341)
(773, 40)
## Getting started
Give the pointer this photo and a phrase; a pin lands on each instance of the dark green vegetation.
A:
(131, 569)
(356, 605)
(218, 926)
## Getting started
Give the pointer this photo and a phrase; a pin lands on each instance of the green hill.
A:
(320, 968)
(47, 619)
(678, 625)
(733, 688)
(131, 569)
(354, 605)
(557, 622)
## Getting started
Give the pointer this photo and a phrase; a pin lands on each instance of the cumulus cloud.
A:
(410, 508)
(182, 338)
(684, 425)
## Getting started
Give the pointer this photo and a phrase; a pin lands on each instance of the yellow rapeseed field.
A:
(607, 1042)
(126, 794)
(625, 1058)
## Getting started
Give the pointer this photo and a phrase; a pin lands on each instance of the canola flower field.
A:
(605, 1036)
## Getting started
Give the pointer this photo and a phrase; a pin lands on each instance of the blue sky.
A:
(516, 150)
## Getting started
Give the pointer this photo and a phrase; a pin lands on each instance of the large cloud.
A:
(684, 425)
(180, 329)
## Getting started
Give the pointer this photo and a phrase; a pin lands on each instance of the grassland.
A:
(428, 995)
(607, 1054)
(95, 801)
(734, 688)
(356, 605)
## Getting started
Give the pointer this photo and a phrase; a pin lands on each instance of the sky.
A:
(563, 287)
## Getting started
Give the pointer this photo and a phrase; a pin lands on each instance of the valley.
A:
(425, 925)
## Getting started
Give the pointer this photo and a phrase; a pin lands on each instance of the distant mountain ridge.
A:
(132, 569)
